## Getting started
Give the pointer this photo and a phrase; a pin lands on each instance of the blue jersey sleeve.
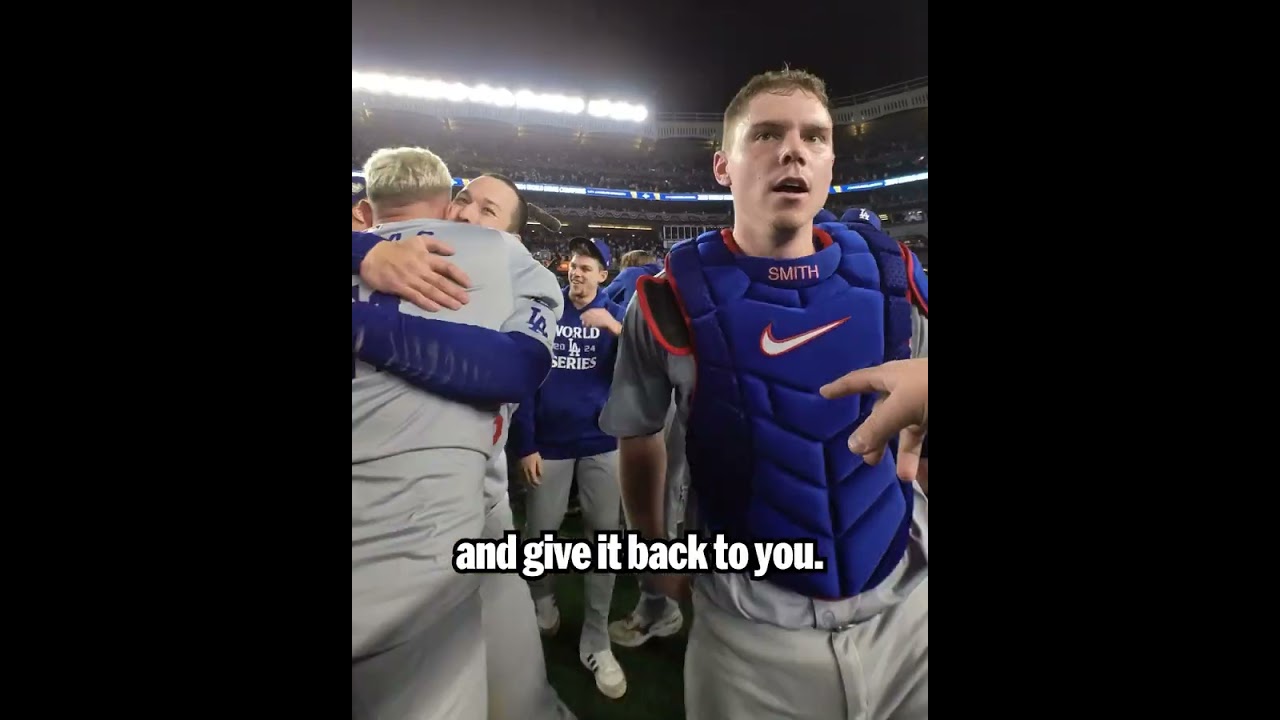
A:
(459, 362)
(361, 244)
(521, 437)
(619, 291)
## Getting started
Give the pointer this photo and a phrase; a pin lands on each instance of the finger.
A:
(444, 284)
(448, 286)
(439, 247)
(421, 300)
(449, 270)
(875, 456)
(886, 419)
(870, 455)
(435, 294)
(872, 379)
(910, 441)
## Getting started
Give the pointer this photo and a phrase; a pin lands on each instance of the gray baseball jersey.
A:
(643, 380)
(417, 460)
(511, 292)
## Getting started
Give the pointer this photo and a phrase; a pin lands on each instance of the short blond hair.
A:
(777, 82)
(636, 258)
(395, 177)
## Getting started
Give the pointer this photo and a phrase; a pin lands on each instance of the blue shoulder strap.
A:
(893, 284)
(867, 223)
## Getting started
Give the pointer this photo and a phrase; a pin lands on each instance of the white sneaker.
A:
(633, 631)
(609, 676)
(548, 615)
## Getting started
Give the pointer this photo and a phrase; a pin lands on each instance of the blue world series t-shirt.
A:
(562, 420)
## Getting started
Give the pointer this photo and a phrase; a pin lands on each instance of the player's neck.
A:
(412, 211)
(580, 303)
(770, 243)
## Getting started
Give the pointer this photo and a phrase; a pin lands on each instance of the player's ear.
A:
(720, 166)
(363, 212)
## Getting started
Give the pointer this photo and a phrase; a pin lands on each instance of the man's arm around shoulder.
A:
(466, 363)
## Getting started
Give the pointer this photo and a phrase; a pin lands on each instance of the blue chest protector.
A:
(767, 454)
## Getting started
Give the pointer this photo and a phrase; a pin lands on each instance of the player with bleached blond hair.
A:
(426, 394)
(517, 673)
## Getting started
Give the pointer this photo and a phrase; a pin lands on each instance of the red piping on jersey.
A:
(649, 319)
(727, 235)
(684, 313)
(916, 296)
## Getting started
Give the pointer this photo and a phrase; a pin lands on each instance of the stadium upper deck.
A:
(881, 134)
(415, 96)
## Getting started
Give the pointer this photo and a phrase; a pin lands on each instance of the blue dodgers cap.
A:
(824, 216)
(357, 190)
(860, 215)
(594, 247)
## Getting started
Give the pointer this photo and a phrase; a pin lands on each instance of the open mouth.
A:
(792, 186)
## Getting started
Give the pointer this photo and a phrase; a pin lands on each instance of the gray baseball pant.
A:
(417, 649)
(601, 498)
(877, 669)
(438, 674)
(517, 670)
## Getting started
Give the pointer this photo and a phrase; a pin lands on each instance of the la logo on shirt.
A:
(575, 348)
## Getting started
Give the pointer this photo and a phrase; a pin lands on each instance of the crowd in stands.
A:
(688, 173)
(682, 165)
(583, 168)
(553, 249)
(895, 201)
(676, 165)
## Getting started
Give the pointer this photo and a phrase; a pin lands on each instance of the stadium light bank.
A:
(423, 89)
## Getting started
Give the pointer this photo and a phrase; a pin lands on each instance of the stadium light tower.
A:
(422, 89)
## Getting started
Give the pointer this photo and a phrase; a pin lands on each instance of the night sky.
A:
(690, 59)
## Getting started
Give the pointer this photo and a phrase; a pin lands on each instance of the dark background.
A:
(672, 57)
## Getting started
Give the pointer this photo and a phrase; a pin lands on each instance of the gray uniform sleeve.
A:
(538, 302)
(641, 392)
(920, 349)
(919, 334)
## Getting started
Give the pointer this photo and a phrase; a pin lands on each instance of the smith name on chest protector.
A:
(768, 456)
